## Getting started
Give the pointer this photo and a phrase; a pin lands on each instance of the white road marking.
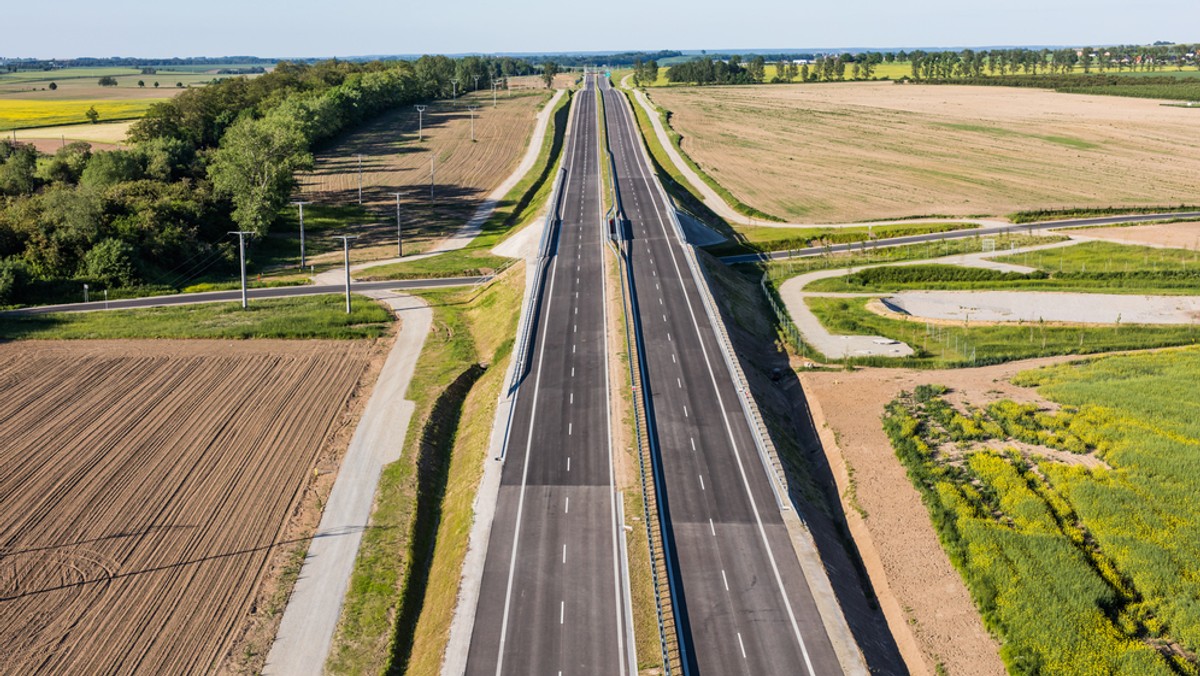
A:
(562, 613)
(723, 578)
(701, 481)
(712, 528)
(567, 506)
(572, 398)
(568, 463)
(693, 443)
(685, 411)
(743, 645)
(565, 560)
(570, 426)
(679, 383)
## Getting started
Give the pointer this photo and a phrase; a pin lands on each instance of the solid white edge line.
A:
(725, 417)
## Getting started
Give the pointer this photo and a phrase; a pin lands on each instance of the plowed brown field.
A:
(145, 486)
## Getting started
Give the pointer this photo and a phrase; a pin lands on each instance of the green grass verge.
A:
(518, 208)
(280, 248)
(1076, 570)
(306, 317)
(766, 239)
(1040, 215)
(949, 346)
(779, 271)
(397, 612)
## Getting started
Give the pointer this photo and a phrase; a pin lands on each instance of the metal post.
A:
(454, 81)
(432, 174)
(85, 293)
(494, 87)
(301, 205)
(472, 109)
(242, 257)
(360, 179)
(476, 84)
(399, 232)
(420, 118)
(346, 255)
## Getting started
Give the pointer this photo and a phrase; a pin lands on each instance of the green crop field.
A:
(1080, 550)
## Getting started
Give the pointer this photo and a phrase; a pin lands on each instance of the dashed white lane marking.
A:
(660, 300)
(570, 427)
(572, 398)
(673, 358)
(565, 560)
(679, 383)
(572, 371)
(701, 481)
(693, 443)
(575, 328)
(668, 336)
(664, 318)
(743, 645)
(568, 463)
(562, 613)
(712, 528)
(685, 411)
(723, 578)
(567, 506)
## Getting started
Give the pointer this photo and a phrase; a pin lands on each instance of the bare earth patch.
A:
(1165, 235)
(926, 603)
(153, 491)
(860, 151)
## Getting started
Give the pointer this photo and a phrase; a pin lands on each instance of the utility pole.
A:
(301, 205)
(494, 86)
(242, 257)
(346, 254)
(472, 109)
(476, 84)
(454, 81)
(432, 174)
(360, 179)
(399, 232)
(420, 117)
(85, 292)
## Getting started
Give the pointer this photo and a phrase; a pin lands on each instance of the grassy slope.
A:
(759, 239)
(402, 593)
(306, 317)
(518, 208)
(952, 346)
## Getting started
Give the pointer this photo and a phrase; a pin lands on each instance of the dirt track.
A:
(146, 485)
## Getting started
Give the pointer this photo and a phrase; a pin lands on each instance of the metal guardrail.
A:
(762, 440)
(672, 659)
(668, 632)
(524, 339)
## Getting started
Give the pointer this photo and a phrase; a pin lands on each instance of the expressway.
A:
(741, 598)
(552, 599)
(1015, 229)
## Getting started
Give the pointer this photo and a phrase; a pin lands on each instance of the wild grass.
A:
(305, 317)
(1076, 570)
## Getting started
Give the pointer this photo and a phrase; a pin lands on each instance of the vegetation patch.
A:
(1075, 554)
(305, 317)
(765, 239)
(397, 612)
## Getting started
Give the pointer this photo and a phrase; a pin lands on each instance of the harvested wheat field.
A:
(393, 160)
(147, 487)
(860, 151)
(925, 600)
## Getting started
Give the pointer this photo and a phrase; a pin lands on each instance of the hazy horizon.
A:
(305, 29)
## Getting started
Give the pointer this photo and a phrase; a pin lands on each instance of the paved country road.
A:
(254, 294)
(959, 234)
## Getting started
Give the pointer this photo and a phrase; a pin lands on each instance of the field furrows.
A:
(144, 490)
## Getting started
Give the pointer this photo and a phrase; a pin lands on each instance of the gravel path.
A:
(310, 619)
(835, 346)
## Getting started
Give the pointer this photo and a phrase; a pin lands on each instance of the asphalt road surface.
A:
(1026, 228)
(551, 598)
(743, 602)
(253, 294)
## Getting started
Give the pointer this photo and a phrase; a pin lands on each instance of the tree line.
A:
(209, 160)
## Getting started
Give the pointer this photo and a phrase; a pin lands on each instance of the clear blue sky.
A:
(69, 28)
